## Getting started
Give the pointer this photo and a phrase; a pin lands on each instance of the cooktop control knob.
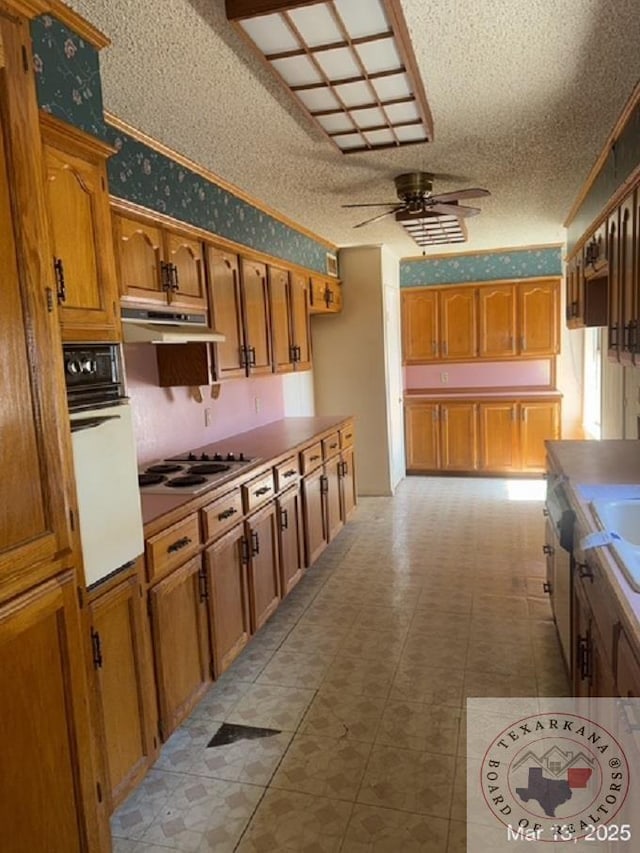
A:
(217, 457)
(231, 457)
(241, 457)
(204, 457)
(191, 457)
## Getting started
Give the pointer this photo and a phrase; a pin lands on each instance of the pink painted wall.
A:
(170, 420)
(486, 375)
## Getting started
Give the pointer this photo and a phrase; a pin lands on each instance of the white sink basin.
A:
(622, 517)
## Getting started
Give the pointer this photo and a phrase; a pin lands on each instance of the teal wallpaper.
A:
(68, 84)
(519, 263)
(67, 73)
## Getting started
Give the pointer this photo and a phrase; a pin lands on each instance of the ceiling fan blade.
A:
(373, 204)
(381, 216)
(453, 210)
(457, 194)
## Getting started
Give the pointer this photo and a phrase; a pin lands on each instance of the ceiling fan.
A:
(414, 190)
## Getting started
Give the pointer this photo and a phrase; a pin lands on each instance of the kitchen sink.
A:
(622, 518)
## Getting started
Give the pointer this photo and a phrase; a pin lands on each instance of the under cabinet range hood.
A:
(148, 325)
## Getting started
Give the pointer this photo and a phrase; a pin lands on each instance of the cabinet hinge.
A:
(72, 519)
(102, 183)
(80, 597)
(96, 645)
(99, 791)
(49, 296)
(25, 58)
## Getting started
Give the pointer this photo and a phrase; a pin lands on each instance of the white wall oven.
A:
(104, 458)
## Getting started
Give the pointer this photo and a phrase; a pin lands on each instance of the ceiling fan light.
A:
(410, 132)
(368, 118)
(336, 123)
(362, 17)
(380, 55)
(317, 100)
(338, 64)
(297, 70)
(270, 34)
(316, 24)
(349, 141)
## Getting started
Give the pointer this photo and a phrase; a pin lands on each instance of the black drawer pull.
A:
(262, 491)
(313, 458)
(548, 550)
(333, 446)
(227, 513)
(290, 473)
(546, 587)
(585, 571)
(255, 542)
(179, 544)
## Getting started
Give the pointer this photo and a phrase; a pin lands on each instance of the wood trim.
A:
(131, 209)
(236, 9)
(28, 8)
(140, 136)
(78, 24)
(507, 392)
(62, 135)
(515, 281)
(452, 255)
(628, 108)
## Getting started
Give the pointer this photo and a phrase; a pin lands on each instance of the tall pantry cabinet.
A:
(50, 785)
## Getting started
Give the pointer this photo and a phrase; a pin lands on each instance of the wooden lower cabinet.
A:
(49, 796)
(348, 493)
(491, 437)
(290, 539)
(178, 613)
(126, 689)
(333, 501)
(313, 511)
(627, 668)
(228, 595)
(264, 580)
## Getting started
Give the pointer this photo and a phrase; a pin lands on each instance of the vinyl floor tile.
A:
(339, 714)
(377, 830)
(272, 706)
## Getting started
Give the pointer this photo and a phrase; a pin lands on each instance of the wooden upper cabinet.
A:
(187, 287)
(256, 316)
(614, 337)
(325, 295)
(595, 252)
(420, 326)
(301, 335)
(80, 222)
(458, 323)
(281, 326)
(497, 321)
(225, 300)
(629, 342)
(538, 318)
(139, 255)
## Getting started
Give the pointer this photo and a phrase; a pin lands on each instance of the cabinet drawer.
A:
(346, 436)
(287, 473)
(255, 492)
(172, 547)
(222, 514)
(311, 458)
(330, 445)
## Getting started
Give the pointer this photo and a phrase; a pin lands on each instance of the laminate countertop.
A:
(585, 465)
(267, 444)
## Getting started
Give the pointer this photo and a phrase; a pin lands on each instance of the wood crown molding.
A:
(27, 8)
(452, 255)
(78, 24)
(137, 211)
(628, 108)
(140, 136)
(64, 135)
(411, 288)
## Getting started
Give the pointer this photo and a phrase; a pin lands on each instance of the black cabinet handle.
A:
(298, 353)
(165, 276)
(613, 335)
(290, 473)
(203, 585)
(333, 446)
(255, 542)
(61, 288)
(227, 513)
(173, 274)
(244, 551)
(284, 519)
(548, 550)
(584, 657)
(546, 587)
(324, 485)
(252, 356)
(313, 458)
(244, 361)
(178, 544)
(262, 491)
(545, 511)
(96, 645)
(585, 571)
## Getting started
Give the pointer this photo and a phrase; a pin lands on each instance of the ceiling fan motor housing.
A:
(414, 186)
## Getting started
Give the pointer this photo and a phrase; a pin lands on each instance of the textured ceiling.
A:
(523, 95)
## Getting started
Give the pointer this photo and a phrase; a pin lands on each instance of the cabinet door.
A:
(264, 581)
(627, 669)
(326, 296)
(82, 243)
(538, 318)
(420, 341)
(315, 540)
(281, 331)
(636, 264)
(497, 321)
(422, 428)
(180, 643)
(459, 437)
(499, 443)
(290, 539)
(187, 285)
(229, 624)
(331, 487)
(539, 421)
(140, 263)
(47, 787)
(348, 494)
(581, 668)
(226, 310)
(127, 695)
(300, 320)
(627, 283)
(614, 324)
(34, 518)
(256, 316)
(458, 323)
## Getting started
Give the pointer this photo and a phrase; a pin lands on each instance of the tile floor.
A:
(423, 600)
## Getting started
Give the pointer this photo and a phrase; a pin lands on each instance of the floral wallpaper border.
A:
(490, 266)
(68, 83)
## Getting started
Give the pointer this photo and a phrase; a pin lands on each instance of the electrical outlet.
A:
(256, 404)
(207, 417)
(444, 377)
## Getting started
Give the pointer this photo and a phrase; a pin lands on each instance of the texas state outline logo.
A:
(556, 777)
